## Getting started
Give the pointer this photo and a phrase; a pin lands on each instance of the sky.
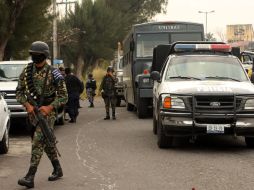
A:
(226, 12)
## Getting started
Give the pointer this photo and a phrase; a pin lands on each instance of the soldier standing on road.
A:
(74, 87)
(90, 89)
(39, 80)
(108, 92)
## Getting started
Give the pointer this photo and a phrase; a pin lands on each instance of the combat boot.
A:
(107, 115)
(28, 180)
(57, 172)
(113, 114)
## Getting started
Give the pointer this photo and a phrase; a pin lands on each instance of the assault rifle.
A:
(47, 132)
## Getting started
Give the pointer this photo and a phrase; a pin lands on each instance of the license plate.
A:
(216, 128)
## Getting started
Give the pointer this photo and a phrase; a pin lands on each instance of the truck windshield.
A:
(205, 68)
(146, 43)
(10, 72)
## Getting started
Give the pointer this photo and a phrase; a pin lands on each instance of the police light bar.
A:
(202, 47)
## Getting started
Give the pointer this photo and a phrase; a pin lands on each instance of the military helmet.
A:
(39, 47)
(110, 68)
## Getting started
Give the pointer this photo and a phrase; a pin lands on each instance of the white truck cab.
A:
(202, 89)
(9, 75)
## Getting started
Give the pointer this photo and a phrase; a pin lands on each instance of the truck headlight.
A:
(249, 104)
(172, 102)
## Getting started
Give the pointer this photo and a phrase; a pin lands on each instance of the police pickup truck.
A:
(202, 89)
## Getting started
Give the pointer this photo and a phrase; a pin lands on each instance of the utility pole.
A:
(206, 12)
(54, 32)
(66, 3)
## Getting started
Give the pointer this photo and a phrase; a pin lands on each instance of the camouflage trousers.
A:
(110, 101)
(39, 145)
(90, 95)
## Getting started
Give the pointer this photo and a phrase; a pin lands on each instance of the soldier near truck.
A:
(44, 86)
(108, 92)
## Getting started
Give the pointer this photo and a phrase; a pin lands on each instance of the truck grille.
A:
(215, 103)
(9, 94)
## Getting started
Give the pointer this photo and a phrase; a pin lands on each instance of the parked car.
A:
(202, 89)
(4, 126)
(9, 76)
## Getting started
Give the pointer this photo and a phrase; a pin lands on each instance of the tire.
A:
(163, 140)
(249, 142)
(154, 125)
(142, 108)
(4, 144)
(130, 107)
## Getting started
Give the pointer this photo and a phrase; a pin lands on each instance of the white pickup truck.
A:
(9, 75)
(4, 126)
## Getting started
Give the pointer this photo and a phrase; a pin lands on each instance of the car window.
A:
(10, 71)
(202, 67)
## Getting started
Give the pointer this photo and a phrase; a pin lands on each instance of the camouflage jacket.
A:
(55, 91)
(108, 85)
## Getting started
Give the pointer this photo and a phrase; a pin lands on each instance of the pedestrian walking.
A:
(74, 87)
(90, 89)
(41, 86)
(108, 92)
(62, 71)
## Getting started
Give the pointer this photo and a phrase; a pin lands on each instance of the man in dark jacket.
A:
(108, 92)
(74, 87)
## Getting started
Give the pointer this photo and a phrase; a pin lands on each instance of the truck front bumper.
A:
(183, 124)
(17, 111)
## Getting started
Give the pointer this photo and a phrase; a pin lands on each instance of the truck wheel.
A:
(142, 108)
(163, 140)
(4, 144)
(154, 125)
(118, 101)
(249, 142)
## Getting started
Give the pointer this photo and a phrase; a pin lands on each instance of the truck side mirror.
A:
(155, 75)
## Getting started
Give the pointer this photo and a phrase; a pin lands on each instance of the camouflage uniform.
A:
(109, 94)
(55, 94)
(90, 90)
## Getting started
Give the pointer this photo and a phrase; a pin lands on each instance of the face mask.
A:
(38, 58)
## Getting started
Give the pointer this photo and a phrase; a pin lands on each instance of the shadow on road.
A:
(210, 144)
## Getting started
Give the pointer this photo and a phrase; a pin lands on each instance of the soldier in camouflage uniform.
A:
(30, 86)
(108, 92)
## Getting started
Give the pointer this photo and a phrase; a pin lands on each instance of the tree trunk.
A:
(80, 66)
(14, 14)
(2, 48)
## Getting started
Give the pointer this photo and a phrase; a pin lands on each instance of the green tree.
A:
(210, 37)
(106, 22)
(22, 21)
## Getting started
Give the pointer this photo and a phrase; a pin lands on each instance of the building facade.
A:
(240, 32)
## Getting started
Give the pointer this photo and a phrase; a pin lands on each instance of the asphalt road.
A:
(123, 155)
